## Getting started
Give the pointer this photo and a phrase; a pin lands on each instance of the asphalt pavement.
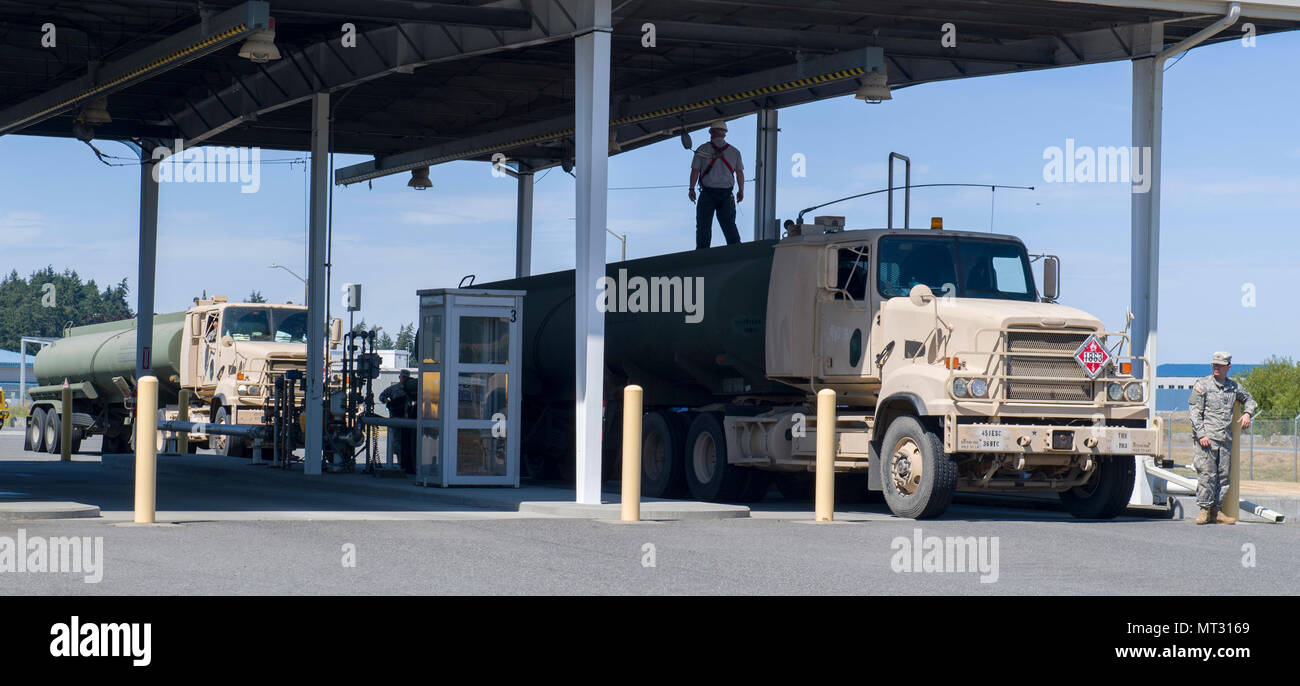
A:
(290, 534)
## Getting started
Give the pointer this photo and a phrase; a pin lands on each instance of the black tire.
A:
(663, 473)
(76, 443)
(1107, 494)
(227, 445)
(53, 432)
(35, 439)
(708, 475)
(911, 495)
(795, 485)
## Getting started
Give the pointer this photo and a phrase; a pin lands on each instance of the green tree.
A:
(48, 301)
(384, 342)
(1275, 385)
(406, 338)
(254, 297)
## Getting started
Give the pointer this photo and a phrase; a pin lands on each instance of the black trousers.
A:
(713, 200)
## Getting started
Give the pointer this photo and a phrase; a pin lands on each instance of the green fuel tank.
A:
(99, 352)
(681, 356)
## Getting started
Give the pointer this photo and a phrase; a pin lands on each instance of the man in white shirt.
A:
(713, 167)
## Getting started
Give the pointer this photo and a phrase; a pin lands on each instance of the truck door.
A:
(210, 359)
(844, 319)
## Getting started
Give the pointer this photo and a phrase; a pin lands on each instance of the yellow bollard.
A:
(183, 437)
(146, 449)
(825, 502)
(1231, 505)
(632, 453)
(65, 431)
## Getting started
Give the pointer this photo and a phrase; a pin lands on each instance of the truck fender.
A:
(893, 406)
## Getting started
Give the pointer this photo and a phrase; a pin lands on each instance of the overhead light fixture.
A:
(260, 46)
(94, 112)
(419, 179)
(875, 88)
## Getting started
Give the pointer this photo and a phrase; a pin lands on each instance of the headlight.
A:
(1115, 391)
(1133, 392)
(248, 389)
(243, 389)
(959, 387)
(978, 387)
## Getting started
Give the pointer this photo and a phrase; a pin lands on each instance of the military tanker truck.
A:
(952, 372)
(226, 354)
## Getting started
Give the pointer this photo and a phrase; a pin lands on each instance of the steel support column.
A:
(147, 267)
(524, 224)
(765, 166)
(319, 214)
(591, 165)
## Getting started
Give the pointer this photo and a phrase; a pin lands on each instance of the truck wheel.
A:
(707, 473)
(53, 432)
(76, 443)
(35, 440)
(1106, 495)
(662, 470)
(227, 445)
(919, 478)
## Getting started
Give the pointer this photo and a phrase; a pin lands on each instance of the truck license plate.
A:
(1121, 442)
(994, 438)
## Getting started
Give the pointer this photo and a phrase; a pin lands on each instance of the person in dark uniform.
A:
(400, 399)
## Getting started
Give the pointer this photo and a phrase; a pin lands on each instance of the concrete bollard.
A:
(632, 396)
(65, 430)
(1231, 506)
(146, 449)
(825, 502)
(183, 437)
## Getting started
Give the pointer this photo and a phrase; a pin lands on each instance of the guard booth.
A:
(469, 361)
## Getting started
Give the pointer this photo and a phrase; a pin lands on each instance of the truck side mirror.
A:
(196, 325)
(920, 294)
(336, 332)
(1051, 278)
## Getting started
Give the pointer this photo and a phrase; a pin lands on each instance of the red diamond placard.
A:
(1092, 357)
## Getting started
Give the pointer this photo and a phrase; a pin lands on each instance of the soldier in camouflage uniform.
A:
(1211, 414)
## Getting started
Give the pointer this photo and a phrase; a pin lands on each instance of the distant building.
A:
(1174, 382)
(9, 371)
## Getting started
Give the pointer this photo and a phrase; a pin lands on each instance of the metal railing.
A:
(1270, 448)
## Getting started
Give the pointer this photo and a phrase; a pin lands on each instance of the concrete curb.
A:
(25, 511)
(652, 510)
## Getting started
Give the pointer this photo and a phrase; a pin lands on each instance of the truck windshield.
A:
(265, 325)
(957, 266)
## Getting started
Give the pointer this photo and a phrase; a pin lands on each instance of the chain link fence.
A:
(1270, 448)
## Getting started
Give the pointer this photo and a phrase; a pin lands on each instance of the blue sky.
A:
(1231, 198)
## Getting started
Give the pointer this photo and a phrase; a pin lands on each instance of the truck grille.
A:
(1073, 387)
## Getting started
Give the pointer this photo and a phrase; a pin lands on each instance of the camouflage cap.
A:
(1221, 358)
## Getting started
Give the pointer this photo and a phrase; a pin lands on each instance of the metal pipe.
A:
(65, 429)
(907, 190)
(376, 420)
(238, 430)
